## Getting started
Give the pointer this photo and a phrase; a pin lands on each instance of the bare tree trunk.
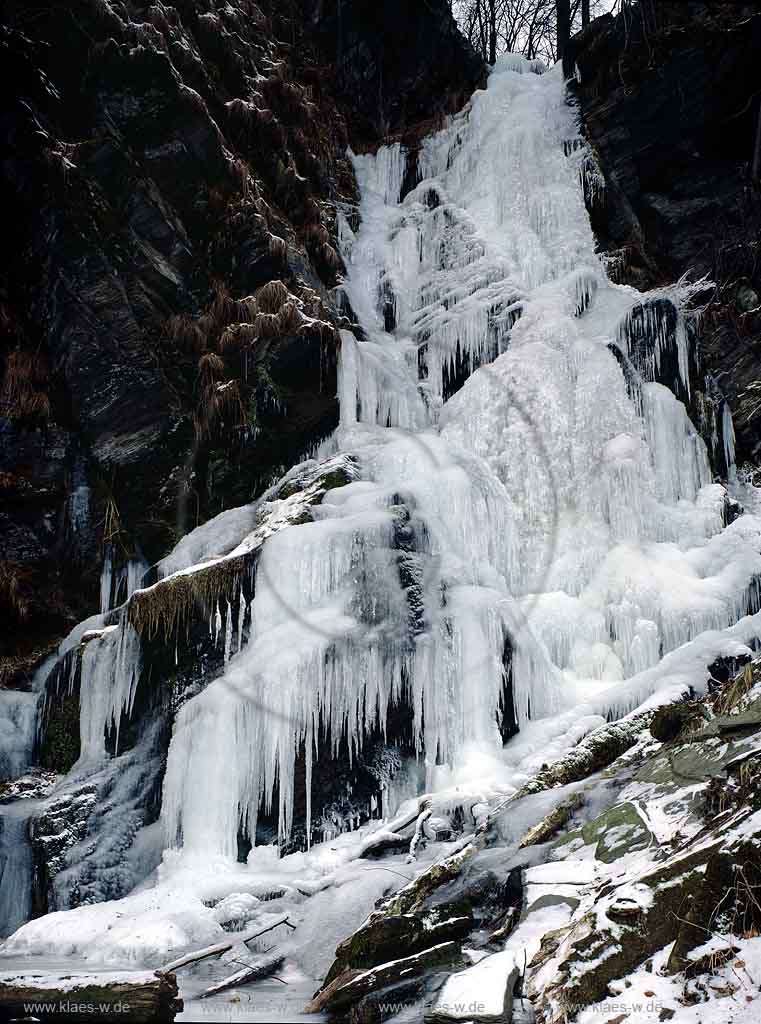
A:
(563, 26)
(584, 13)
(483, 41)
(492, 31)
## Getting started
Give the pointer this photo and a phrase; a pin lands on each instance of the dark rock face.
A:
(400, 63)
(669, 104)
(163, 164)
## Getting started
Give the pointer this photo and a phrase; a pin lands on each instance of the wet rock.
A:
(724, 725)
(483, 993)
(618, 831)
(673, 720)
(402, 64)
(351, 986)
(387, 1002)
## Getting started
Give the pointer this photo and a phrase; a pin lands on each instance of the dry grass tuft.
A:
(211, 368)
(11, 591)
(223, 309)
(230, 342)
(267, 326)
(188, 334)
(731, 694)
(170, 604)
(236, 337)
(289, 318)
(248, 307)
(272, 296)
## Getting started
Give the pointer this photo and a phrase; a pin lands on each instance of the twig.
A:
(223, 947)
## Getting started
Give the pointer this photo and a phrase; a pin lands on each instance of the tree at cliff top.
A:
(535, 28)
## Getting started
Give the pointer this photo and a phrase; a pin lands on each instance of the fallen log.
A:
(132, 997)
(551, 824)
(220, 948)
(381, 842)
(264, 967)
(387, 838)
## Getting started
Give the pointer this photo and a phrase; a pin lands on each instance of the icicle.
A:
(106, 579)
(136, 569)
(308, 748)
(728, 437)
(228, 632)
(109, 677)
(241, 617)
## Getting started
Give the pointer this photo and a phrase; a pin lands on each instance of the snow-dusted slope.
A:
(567, 545)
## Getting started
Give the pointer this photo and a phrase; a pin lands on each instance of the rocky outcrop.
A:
(160, 181)
(667, 103)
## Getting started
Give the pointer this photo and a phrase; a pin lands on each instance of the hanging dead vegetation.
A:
(25, 379)
(272, 296)
(13, 600)
(168, 607)
(289, 318)
(187, 333)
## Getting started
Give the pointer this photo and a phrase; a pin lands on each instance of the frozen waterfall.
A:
(556, 507)
(514, 527)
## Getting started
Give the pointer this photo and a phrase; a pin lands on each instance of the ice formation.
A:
(548, 503)
(533, 531)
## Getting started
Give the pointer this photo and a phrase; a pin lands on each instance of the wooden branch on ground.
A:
(386, 839)
(418, 837)
(264, 967)
(220, 948)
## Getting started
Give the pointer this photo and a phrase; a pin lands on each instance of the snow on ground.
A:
(729, 995)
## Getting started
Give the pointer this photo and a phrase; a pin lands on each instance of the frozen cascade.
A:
(532, 521)
(728, 434)
(15, 866)
(18, 719)
(548, 504)
(134, 572)
(109, 674)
